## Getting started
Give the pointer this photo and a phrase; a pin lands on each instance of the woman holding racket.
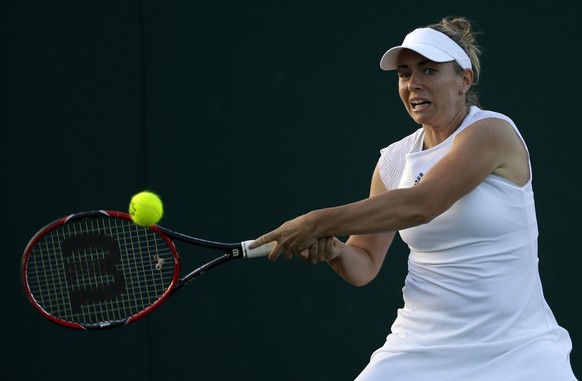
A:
(458, 191)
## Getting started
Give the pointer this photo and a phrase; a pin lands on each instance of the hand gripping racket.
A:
(98, 269)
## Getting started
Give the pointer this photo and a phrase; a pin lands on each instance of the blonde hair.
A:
(459, 29)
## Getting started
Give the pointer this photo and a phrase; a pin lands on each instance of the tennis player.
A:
(459, 192)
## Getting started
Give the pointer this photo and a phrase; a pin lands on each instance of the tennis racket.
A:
(98, 269)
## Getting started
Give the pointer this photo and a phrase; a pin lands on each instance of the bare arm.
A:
(488, 146)
(359, 260)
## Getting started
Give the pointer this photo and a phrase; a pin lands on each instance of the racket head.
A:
(98, 269)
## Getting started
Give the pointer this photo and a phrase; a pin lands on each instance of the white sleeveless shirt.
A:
(473, 302)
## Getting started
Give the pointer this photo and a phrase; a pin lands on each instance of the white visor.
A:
(432, 44)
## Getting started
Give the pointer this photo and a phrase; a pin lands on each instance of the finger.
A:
(304, 254)
(330, 247)
(274, 254)
(264, 239)
(314, 250)
(329, 244)
(288, 254)
(322, 245)
(324, 248)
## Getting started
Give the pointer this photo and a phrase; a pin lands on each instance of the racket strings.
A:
(99, 270)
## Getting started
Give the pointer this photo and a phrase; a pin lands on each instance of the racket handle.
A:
(260, 251)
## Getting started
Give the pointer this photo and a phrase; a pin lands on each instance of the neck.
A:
(434, 136)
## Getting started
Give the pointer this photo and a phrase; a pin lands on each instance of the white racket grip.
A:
(260, 251)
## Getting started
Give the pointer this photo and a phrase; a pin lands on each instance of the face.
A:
(433, 93)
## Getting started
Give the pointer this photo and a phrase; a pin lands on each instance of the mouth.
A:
(418, 104)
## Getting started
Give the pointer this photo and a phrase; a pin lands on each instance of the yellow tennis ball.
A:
(146, 208)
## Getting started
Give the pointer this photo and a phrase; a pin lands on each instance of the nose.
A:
(414, 82)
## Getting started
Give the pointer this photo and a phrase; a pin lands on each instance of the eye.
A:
(402, 74)
(430, 71)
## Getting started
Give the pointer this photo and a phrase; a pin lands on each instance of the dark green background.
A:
(242, 115)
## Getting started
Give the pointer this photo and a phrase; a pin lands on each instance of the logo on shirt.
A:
(418, 178)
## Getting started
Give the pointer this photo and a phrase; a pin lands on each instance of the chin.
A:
(420, 119)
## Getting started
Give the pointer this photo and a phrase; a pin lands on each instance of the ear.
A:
(466, 81)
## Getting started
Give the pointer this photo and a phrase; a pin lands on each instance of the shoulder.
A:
(489, 133)
(484, 117)
(490, 125)
(495, 137)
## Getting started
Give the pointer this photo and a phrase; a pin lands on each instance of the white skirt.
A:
(540, 358)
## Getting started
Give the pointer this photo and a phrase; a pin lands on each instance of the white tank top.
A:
(472, 282)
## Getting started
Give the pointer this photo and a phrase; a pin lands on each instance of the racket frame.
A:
(230, 251)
